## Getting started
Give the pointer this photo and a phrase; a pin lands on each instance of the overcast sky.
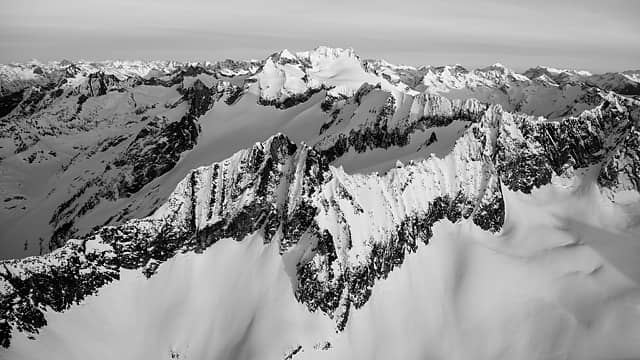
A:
(596, 35)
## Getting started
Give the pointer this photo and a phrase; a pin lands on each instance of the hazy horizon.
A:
(591, 35)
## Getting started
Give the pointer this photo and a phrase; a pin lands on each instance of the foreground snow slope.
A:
(542, 290)
(556, 283)
(234, 301)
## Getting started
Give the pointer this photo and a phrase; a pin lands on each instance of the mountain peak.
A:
(286, 54)
(497, 67)
(324, 54)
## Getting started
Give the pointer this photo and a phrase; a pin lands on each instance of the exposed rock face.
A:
(9, 102)
(99, 83)
(350, 230)
(547, 149)
(289, 100)
(157, 147)
(622, 170)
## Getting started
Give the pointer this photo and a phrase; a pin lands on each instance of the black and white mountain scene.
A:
(285, 186)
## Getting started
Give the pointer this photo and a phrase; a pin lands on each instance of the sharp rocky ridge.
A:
(344, 232)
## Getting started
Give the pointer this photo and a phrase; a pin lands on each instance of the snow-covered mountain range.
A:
(340, 175)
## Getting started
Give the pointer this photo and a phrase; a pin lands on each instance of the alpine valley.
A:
(316, 205)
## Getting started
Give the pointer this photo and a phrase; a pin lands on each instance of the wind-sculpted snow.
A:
(343, 232)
